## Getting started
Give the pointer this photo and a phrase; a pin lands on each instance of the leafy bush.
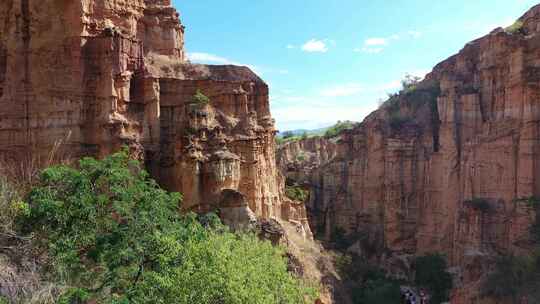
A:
(398, 121)
(338, 128)
(515, 28)
(530, 201)
(409, 83)
(513, 277)
(296, 193)
(10, 204)
(114, 236)
(431, 274)
(481, 204)
(368, 283)
(200, 98)
(287, 134)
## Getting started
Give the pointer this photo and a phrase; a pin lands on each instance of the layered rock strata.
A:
(446, 166)
(97, 75)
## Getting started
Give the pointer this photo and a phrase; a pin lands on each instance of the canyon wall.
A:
(98, 75)
(446, 166)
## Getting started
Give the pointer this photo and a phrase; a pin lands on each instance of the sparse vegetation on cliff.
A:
(481, 204)
(402, 107)
(514, 277)
(339, 127)
(296, 193)
(518, 277)
(200, 99)
(109, 234)
(515, 28)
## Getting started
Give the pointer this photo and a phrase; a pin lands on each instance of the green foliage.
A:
(200, 98)
(115, 237)
(339, 127)
(401, 107)
(10, 204)
(304, 135)
(481, 204)
(398, 121)
(513, 278)
(301, 157)
(409, 83)
(515, 28)
(74, 296)
(296, 193)
(530, 201)
(3, 300)
(431, 274)
(369, 284)
(287, 134)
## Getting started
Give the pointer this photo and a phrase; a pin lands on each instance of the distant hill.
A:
(300, 132)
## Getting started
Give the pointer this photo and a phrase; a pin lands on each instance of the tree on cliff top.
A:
(200, 98)
(113, 236)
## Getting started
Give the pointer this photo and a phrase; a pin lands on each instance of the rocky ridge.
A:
(444, 167)
(97, 75)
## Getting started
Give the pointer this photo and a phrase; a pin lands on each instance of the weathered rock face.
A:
(412, 175)
(98, 75)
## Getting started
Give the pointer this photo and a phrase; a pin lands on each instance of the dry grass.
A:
(317, 264)
(20, 271)
(24, 172)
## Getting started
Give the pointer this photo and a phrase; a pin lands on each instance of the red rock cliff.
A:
(103, 74)
(411, 176)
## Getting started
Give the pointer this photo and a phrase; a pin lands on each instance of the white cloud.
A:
(375, 45)
(290, 46)
(376, 41)
(283, 72)
(348, 89)
(314, 46)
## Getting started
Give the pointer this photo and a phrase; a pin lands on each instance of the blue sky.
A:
(334, 60)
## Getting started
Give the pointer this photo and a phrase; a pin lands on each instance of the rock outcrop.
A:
(98, 75)
(445, 166)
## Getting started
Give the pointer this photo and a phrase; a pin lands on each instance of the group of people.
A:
(409, 297)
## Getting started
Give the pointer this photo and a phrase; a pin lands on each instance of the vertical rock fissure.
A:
(26, 37)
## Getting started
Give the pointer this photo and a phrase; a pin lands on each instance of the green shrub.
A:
(287, 134)
(115, 237)
(398, 121)
(530, 201)
(339, 127)
(368, 283)
(515, 28)
(431, 274)
(481, 204)
(296, 193)
(409, 83)
(74, 296)
(200, 98)
(511, 277)
(380, 291)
